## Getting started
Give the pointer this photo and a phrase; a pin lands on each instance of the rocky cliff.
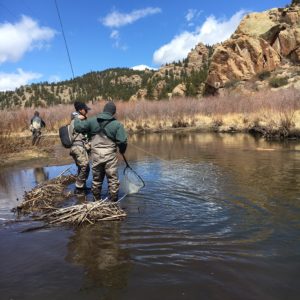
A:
(263, 42)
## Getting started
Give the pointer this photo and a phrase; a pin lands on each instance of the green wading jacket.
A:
(112, 128)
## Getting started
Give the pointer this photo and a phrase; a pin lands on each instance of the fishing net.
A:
(131, 182)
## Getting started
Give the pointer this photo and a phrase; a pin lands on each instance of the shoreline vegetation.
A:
(271, 114)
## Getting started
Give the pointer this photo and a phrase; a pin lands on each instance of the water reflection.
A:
(98, 250)
(246, 167)
(14, 183)
(219, 216)
(40, 175)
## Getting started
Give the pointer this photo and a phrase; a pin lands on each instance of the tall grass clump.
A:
(277, 82)
(264, 75)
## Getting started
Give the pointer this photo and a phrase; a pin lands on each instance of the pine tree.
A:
(150, 90)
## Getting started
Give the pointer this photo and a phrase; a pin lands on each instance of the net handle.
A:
(126, 162)
(127, 166)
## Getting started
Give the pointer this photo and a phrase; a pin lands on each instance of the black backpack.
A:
(66, 135)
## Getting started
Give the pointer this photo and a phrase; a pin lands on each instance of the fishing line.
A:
(175, 182)
(147, 152)
(65, 40)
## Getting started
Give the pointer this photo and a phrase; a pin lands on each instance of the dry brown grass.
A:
(231, 112)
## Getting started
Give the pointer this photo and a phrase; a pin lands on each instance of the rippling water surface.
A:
(219, 218)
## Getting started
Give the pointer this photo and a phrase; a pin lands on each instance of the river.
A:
(219, 218)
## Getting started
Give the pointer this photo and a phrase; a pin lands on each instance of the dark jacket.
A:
(106, 123)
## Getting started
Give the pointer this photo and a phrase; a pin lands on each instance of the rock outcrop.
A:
(141, 94)
(240, 59)
(262, 42)
(179, 90)
(197, 57)
(134, 80)
(195, 61)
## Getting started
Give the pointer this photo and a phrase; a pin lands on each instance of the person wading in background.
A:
(80, 147)
(107, 134)
(36, 125)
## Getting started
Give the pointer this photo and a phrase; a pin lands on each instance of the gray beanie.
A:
(110, 107)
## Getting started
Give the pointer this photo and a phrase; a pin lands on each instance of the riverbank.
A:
(17, 150)
(272, 115)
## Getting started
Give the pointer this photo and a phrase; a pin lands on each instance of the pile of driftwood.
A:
(46, 202)
(47, 195)
(90, 213)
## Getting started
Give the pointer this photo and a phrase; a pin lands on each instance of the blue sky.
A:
(103, 34)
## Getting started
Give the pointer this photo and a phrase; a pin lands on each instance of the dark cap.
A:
(80, 105)
(110, 107)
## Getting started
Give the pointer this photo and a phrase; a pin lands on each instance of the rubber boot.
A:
(113, 197)
(96, 195)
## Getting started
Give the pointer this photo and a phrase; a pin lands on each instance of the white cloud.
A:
(18, 38)
(116, 38)
(10, 81)
(114, 34)
(54, 78)
(117, 19)
(190, 14)
(212, 31)
(142, 68)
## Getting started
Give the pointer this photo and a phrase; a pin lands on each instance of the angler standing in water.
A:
(107, 134)
(36, 125)
(80, 147)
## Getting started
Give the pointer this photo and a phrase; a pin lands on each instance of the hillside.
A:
(115, 83)
(262, 54)
(118, 84)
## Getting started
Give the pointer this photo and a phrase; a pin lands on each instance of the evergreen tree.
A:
(150, 90)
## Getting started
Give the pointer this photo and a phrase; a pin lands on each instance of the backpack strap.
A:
(72, 132)
(102, 127)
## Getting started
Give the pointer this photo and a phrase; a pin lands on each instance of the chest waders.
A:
(104, 163)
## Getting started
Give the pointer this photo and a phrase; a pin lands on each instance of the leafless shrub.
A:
(138, 115)
(217, 121)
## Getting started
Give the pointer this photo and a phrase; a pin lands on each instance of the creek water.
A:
(219, 218)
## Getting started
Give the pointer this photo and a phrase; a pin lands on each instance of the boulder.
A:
(289, 40)
(255, 24)
(179, 90)
(139, 95)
